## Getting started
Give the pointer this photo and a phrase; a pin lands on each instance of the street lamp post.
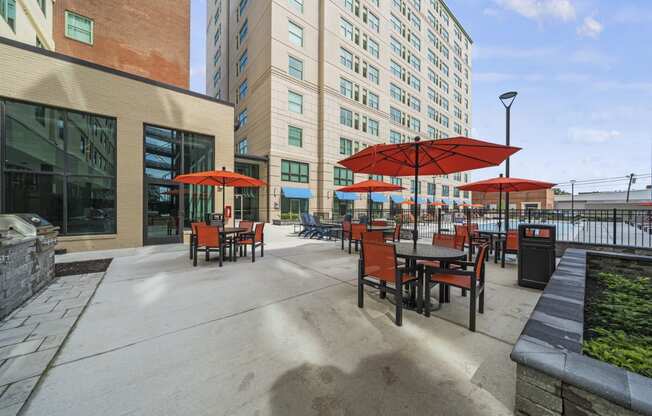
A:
(507, 99)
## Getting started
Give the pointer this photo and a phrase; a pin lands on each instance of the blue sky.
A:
(582, 70)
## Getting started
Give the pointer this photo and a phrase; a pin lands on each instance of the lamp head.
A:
(508, 98)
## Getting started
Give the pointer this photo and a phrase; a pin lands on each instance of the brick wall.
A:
(150, 38)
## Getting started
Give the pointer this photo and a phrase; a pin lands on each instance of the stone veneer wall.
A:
(26, 266)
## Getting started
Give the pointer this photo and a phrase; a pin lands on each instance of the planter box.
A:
(553, 377)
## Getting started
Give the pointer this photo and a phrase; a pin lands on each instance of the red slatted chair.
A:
(210, 239)
(257, 239)
(346, 233)
(193, 236)
(376, 236)
(356, 235)
(509, 245)
(249, 225)
(377, 268)
(471, 280)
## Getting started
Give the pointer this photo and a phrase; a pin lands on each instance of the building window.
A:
(373, 48)
(346, 58)
(79, 28)
(431, 188)
(346, 146)
(396, 181)
(295, 136)
(346, 29)
(445, 190)
(242, 118)
(294, 171)
(244, 30)
(374, 23)
(412, 182)
(297, 5)
(295, 34)
(373, 74)
(42, 4)
(243, 89)
(346, 88)
(295, 67)
(242, 6)
(346, 117)
(372, 100)
(243, 147)
(373, 127)
(56, 160)
(342, 177)
(394, 137)
(295, 102)
(242, 63)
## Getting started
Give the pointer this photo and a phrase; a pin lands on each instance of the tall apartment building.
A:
(150, 38)
(315, 81)
(28, 21)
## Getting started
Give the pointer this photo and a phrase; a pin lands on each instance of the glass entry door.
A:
(163, 213)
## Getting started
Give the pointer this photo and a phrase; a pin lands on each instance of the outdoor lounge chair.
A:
(305, 223)
(377, 268)
(257, 239)
(471, 280)
(210, 239)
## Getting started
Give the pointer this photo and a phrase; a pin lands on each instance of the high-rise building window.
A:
(342, 176)
(242, 6)
(373, 48)
(292, 171)
(444, 190)
(346, 88)
(295, 102)
(243, 89)
(374, 23)
(244, 30)
(431, 188)
(243, 118)
(372, 127)
(372, 74)
(78, 27)
(295, 33)
(242, 62)
(346, 146)
(372, 100)
(295, 67)
(346, 117)
(395, 115)
(346, 29)
(346, 58)
(243, 146)
(394, 137)
(295, 136)
(297, 5)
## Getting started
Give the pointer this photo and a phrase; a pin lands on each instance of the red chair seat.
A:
(247, 241)
(436, 264)
(454, 280)
(405, 277)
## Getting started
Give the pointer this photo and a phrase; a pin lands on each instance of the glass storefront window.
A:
(56, 158)
(292, 208)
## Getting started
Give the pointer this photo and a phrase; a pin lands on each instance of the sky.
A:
(582, 72)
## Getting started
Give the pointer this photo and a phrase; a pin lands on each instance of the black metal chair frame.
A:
(381, 285)
(208, 250)
(476, 287)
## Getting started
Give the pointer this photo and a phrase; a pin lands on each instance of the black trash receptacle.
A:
(536, 254)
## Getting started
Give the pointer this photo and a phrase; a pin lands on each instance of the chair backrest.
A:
(357, 230)
(379, 223)
(512, 240)
(346, 227)
(461, 229)
(246, 224)
(444, 240)
(479, 262)
(208, 235)
(373, 236)
(460, 240)
(397, 231)
(258, 232)
(379, 260)
(194, 225)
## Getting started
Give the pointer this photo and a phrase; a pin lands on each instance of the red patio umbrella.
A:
(502, 184)
(430, 157)
(221, 178)
(370, 186)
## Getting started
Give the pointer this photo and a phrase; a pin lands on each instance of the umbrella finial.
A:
(417, 138)
(223, 167)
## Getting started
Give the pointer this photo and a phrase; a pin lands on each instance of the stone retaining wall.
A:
(26, 266)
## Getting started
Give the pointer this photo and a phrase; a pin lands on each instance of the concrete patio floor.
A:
(281, 336)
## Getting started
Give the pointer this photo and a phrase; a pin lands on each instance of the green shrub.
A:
(619, 322)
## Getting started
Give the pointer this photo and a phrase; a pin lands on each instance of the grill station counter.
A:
(27, 243)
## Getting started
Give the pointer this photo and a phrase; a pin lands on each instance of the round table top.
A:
(234, 230)
(380, 228)
(428, 252)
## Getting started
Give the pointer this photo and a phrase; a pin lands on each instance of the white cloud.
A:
(540, 9)
(592, 136)
(591, 28)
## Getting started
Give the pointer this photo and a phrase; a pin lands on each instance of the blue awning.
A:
(421, 200)
(446, 201)
(346, 196)
(398, 198)
(376, 197)
(298, 193)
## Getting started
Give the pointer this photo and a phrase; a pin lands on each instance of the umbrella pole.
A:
(500, 207)
(368, 209)
(223, 200)
(415, 233)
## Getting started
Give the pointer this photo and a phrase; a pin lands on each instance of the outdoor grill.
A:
(27, 243)
(26, 225)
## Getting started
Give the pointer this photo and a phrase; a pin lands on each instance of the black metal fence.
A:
(623, 227)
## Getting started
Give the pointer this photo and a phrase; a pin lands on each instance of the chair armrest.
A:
(437, 270)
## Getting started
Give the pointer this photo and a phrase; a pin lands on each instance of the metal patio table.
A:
(236, 231)
(427, 252)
